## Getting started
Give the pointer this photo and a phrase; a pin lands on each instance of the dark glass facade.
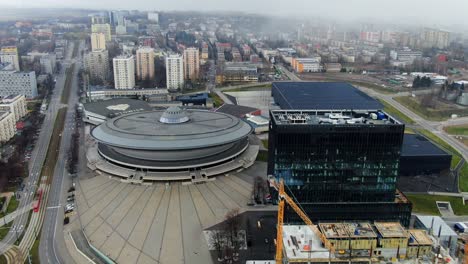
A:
(339, 171)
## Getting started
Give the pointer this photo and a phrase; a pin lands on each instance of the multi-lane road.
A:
(52, 248)
(37, 160)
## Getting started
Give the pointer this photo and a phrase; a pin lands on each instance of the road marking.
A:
(53, 207)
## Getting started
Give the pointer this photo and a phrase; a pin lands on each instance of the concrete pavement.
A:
(159, 223)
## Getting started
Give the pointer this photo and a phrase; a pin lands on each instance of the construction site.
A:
(351, 242)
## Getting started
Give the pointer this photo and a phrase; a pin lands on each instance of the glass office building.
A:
(339, 164)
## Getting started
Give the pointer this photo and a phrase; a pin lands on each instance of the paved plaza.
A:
(159, 223)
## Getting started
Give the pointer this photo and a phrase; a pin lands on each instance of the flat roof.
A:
(390, 229)
(300, 242)
(436, 222)
(236, 110)
(322, 95)
(114, 107)
(347, 230)
(332, 117)
(417, 145)
(419, 237)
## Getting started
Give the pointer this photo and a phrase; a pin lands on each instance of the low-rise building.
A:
(333, 67)
(240, 72)
(16, 104)
(7, 126)
(306, 65)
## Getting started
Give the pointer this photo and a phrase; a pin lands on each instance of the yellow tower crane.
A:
(283, 197)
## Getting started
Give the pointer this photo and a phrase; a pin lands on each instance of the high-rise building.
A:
(97, 65)
(124, 72)
(48, 63)
(339, 164)
(98, 41)
(153, 17)
(10, 55)
(191, 64)
(99, 19)
(102, 28)
(14, 82)
(145, 63)
(174, 72)
(434, 38)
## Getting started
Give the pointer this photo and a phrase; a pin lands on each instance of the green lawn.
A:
(11, 206)
(396, 113)
(68, 84)
(463, 180)
(35, 252)
(427, 113)
(250, 88)
(457, 130)
(265, 143)
(4, 230)
(217, 101)
(3, 259)
(426, 204)
(262, 156)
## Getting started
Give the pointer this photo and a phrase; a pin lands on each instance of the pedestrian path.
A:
(10, 217)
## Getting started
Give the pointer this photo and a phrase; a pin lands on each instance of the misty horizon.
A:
(397, 12)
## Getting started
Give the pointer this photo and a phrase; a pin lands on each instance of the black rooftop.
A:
(417, 145)
(322, 96)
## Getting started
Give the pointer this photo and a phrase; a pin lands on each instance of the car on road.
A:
(68, 211)
(70, 199)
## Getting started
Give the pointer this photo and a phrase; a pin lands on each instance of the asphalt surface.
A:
(52, 248)
(36, 162)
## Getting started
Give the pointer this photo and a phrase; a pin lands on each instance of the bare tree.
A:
(232, 231)
(216, 238)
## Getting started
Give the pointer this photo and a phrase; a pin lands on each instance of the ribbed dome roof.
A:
(174, 115)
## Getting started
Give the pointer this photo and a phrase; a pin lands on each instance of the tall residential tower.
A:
(124, 72)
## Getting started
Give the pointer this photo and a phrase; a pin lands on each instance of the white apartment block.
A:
(7, 126)
(12, 82)
(174, 72)
(145, 63)
(124, 72)
(102, 28)
(98, 41)
(16, 104)
(97, 64)
(10, 55)
(436, 38)
(191, 64)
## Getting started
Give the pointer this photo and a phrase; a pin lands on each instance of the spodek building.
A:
(171, 145)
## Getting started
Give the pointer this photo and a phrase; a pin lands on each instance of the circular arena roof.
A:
(172, 129)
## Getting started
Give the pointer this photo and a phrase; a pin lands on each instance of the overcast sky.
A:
(426, 11)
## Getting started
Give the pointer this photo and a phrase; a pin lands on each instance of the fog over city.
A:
(397, 11)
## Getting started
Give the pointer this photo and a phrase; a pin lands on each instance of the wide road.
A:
(52, 248)
(37, 160)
